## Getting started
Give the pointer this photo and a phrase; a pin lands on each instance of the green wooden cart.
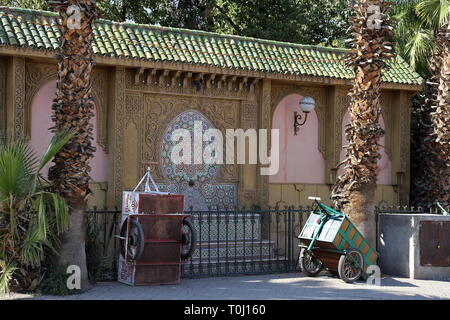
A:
(329, 239)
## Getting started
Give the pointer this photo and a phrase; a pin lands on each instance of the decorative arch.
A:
(38, 75)
(301, 160)
(317, 93)
(204, 172)
(385, 164)
(40, 136)
(197, 182)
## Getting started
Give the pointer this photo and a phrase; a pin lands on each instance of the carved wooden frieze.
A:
(189, 83)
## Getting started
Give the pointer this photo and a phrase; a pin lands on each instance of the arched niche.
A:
(300, 160)
(40, 136)
(384, 163)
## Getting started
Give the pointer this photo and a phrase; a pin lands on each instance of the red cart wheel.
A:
(351, 266)
(188, 239)
(135, 244)
(309, 264)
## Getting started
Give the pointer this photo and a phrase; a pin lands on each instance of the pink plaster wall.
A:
(384, 164)
(41, 136)
(300, 158)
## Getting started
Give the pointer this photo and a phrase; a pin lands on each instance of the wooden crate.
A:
(338, 234)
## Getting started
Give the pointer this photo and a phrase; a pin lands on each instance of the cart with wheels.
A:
(330, 240)
(156, 237)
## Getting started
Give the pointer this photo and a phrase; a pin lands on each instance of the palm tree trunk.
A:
(429, 164)
(72, 109)
(354, 190)
(441, 116)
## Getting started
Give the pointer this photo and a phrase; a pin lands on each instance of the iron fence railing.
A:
(229, 241)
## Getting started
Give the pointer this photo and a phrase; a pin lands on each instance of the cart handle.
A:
(445, 212)
(329, 212)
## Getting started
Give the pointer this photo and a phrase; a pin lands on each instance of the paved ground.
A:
(272, 287)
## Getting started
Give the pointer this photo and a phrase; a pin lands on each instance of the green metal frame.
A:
(327, 213)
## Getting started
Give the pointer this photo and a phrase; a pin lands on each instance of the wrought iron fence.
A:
(229, 242)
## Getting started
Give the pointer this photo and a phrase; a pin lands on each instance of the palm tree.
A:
(429, 163)
(430, 153)
(31, 216)
(354, 190)
(416, 30)
(72, 109)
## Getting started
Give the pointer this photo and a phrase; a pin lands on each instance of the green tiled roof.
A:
(37, 29)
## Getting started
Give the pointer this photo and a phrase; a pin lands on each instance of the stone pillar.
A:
(116, 117)
(15, 98)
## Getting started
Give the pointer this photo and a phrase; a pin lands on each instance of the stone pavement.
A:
(265, 287)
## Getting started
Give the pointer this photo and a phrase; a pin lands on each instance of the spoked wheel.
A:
(309, 264)
(135, 245)
(351, 266)
(188, 239)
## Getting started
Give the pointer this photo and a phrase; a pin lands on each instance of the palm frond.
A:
(420, 46)
(7, 270)
(57, 142)
(32, 252)
(17, 164)
(433, 13)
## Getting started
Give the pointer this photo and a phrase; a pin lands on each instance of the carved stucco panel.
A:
(119, 99)
(19, 98)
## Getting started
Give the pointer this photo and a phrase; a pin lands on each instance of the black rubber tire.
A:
(345, 260)
(188, 239)
(305, 265)
(136, 240)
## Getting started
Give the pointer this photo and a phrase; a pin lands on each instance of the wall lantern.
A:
(307, 104)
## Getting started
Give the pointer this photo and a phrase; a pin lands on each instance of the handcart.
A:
(330, 240)
(156, 237)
